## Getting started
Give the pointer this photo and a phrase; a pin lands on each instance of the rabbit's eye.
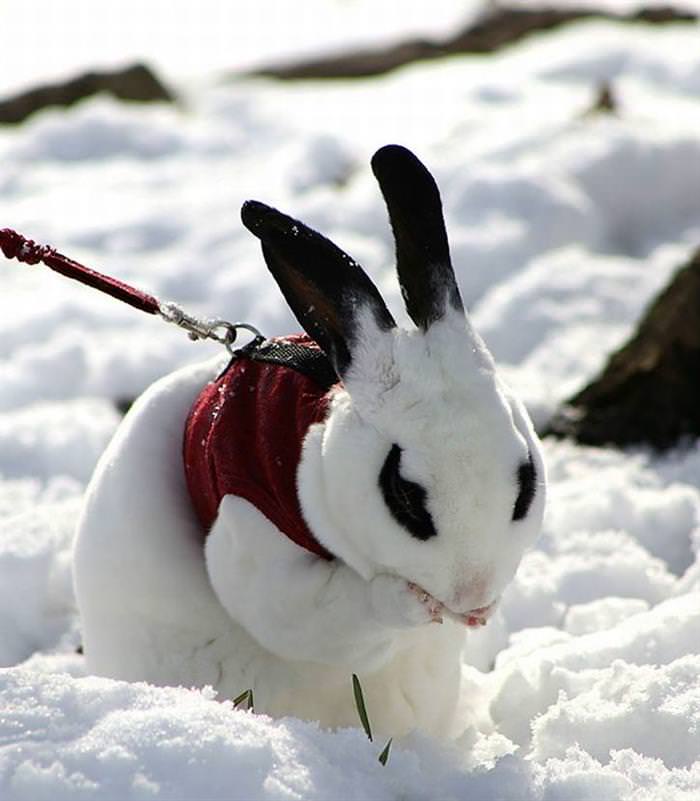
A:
(527, 480)
(405, 499)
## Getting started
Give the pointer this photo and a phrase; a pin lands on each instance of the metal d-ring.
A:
(198, 328)
(231, 333)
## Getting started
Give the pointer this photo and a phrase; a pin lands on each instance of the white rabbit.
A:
(421, 484)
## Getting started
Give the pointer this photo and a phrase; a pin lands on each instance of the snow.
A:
(563, 227)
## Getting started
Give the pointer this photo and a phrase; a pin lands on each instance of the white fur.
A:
(251, 609)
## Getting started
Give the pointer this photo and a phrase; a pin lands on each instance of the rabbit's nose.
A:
(472, 593)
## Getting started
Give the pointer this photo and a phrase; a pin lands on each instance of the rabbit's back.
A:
(140, 576)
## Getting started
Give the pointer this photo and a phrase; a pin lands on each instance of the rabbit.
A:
(419, 483)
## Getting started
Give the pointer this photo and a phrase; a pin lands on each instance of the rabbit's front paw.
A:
(398, 603)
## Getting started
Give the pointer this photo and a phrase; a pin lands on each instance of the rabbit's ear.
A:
(423, 261)
(326, 289)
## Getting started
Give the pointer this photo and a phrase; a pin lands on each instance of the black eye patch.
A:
(405, 499)
(527, 482)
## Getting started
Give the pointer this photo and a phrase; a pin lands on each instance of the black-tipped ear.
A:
(324, 287)
(423, 261)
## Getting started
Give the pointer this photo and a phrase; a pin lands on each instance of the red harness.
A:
(245, 432)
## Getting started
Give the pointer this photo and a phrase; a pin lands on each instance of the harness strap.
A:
(308, 360)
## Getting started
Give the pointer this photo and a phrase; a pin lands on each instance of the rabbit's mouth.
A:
(474, 618)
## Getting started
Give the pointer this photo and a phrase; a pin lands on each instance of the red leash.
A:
(16, 246)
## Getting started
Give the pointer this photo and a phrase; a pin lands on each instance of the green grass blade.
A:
(384, 756)
(360, 704)
(246, 695)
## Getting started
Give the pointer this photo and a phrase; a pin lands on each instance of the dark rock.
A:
(136, 83)
(649, 392)
(498, 28)
(360, 64)
(662, 15)
(123, 405)
(605, 101)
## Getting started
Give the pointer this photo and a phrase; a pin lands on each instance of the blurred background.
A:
(564, 137)
(190, 41)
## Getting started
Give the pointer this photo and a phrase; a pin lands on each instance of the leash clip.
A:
(219, 330)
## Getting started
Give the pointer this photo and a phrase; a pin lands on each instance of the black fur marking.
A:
(527, 483)
(405, 499)
(323, 286)
(423, 261)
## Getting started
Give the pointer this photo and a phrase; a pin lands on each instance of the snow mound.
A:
(37, 609)
(96, 738)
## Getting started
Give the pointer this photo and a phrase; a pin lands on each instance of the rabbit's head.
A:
(426, 466)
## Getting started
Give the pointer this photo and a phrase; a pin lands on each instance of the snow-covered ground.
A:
(563, 226)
